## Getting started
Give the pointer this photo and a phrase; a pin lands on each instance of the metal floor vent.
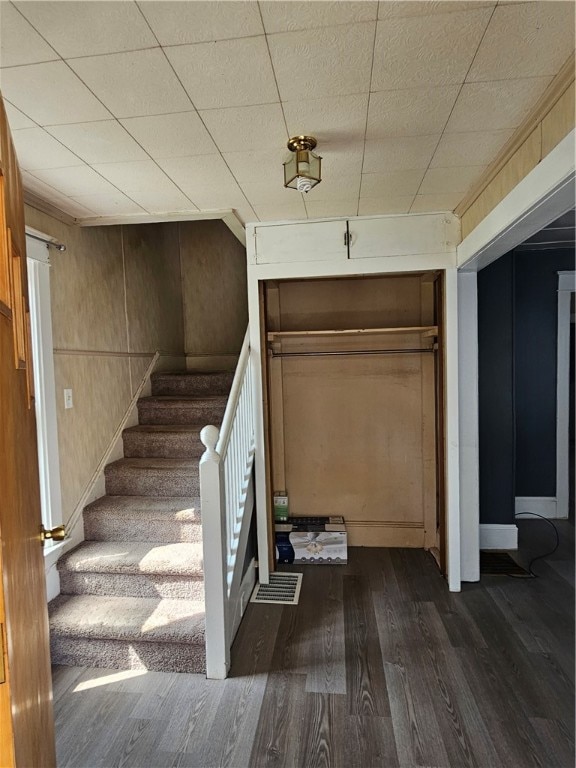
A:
(283, 588)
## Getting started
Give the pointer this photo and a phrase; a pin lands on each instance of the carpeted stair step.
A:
(152, 477)
(182, 410)
(186, 383)
(133, 569)
(143, 518)
(127, 633)
(163, 441)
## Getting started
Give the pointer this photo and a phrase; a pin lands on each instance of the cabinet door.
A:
(313, 241)
(401, 236)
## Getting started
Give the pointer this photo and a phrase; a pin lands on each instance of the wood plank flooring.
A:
(378, 666)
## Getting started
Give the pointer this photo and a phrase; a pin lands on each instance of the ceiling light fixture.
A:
(302, 170)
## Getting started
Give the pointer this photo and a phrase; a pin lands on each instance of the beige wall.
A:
(554, 122)
(214, 287)
(116, 299)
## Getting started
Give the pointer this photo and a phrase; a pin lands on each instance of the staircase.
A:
(132, 594)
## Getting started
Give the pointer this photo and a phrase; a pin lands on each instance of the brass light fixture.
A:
(302, 170)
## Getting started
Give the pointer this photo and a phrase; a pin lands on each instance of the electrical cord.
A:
(546, 554)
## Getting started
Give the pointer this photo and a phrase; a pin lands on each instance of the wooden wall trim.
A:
(563, 80)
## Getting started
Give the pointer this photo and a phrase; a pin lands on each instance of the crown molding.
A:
(45, 207)
(228, 216)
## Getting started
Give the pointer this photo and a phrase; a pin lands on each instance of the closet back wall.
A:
(353, 433)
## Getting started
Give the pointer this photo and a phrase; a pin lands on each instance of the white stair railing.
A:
(226, 503)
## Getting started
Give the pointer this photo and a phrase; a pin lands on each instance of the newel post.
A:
(212, 499)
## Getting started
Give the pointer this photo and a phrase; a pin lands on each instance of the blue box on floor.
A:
(312, 541)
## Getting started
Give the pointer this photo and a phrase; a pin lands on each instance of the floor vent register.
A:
(284, 588)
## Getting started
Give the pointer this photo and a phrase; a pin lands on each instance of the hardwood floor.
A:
(378, 666)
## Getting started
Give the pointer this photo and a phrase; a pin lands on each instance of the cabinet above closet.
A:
(358, 238)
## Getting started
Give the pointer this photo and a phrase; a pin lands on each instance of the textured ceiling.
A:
(164, 107)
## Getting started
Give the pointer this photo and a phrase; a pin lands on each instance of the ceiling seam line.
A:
(442, 132)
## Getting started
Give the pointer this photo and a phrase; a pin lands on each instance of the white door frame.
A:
(566, 288)
(541, 197)
(38, 263)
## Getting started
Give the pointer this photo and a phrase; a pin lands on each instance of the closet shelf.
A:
(425, 330)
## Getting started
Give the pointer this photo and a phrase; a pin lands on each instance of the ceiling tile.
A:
(401, 154)
(474, 148)
(205, 179)
(233, 128)
(395, 183)
(48, 193)
(394, 9)
(99, 142)
(39, 187)
(77, 180)
(279, 16)
(145, 183)
(341, 175)
(340, 119)
(436, 202)
(333, 61)
(495, 105)
(281, 211)
(229, 73)
(115, 204)
(426, 50)
(17, 119)
(372, 206)
(36, 149)
(412, 112)
(317, 209)
(251, 166)
(19, 41)
(446, 181)
(270, 191)
(133, 84)
(245, 212)
(88, 28)
(175, 23)
(525, 40)
(51, 94)
(177, 135)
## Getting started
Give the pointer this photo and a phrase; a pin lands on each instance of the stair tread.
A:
(184, 399)
(120, 557)
(182, 508)
(162, 374)
(168, 620)
(193, 429)
(153, 463)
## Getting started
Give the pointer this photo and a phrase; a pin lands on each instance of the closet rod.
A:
(354, 352)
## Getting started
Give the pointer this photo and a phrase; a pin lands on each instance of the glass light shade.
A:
(302, 164)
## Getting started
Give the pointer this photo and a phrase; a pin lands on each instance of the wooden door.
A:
(27, 730)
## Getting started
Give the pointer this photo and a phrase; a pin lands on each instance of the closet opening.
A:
(354, 404)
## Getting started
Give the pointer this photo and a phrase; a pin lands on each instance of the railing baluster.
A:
(223, 471)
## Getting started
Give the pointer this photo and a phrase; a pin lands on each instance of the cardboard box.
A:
(312, 540)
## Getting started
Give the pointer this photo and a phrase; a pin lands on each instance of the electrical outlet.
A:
(68, 402)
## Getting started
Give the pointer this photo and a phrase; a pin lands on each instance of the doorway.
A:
(38, 263)
(354, 376)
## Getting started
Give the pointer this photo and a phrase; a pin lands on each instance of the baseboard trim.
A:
(545, 506)
(493, 536)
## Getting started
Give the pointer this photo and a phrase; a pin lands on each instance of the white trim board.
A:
(541, 197)
(545, 506)
(566, 286)
(495, 536)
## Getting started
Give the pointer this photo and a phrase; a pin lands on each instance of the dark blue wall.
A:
(517, 349)
(535, 357)
(496, 390)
